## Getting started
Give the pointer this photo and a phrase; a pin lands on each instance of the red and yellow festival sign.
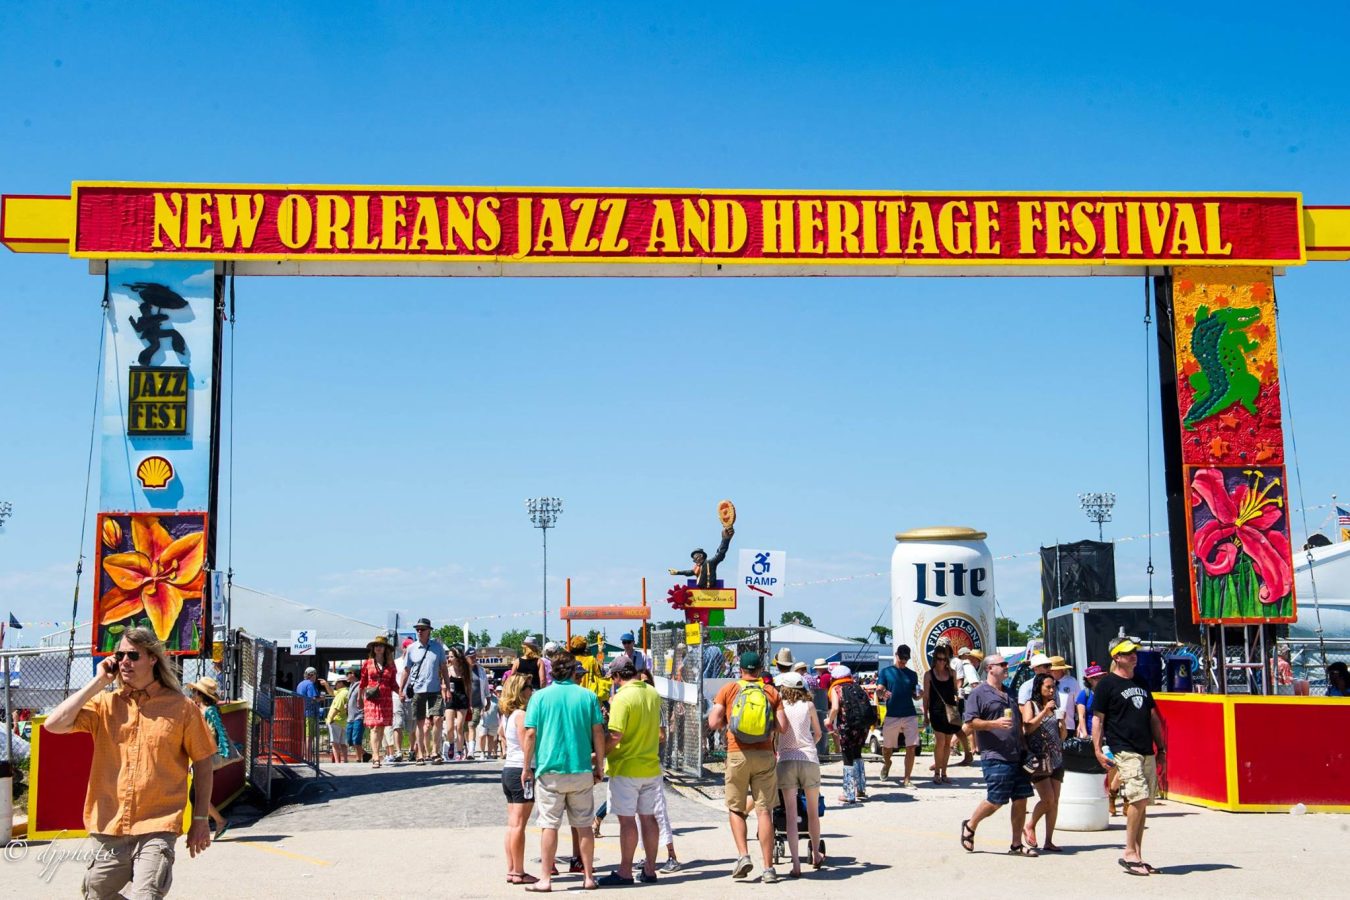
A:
(774, 229)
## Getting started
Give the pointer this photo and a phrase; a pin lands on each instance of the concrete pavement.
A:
(378, 833)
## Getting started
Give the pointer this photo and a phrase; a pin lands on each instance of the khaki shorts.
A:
(142, 862)
(753, 772)
(798, 775)
(555, 792)
(897, 726)
(1138, 776)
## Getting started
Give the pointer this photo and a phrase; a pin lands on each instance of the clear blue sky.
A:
(387, 431)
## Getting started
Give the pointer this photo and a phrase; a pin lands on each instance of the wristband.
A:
(201, 818)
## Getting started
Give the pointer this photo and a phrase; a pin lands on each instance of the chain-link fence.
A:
(682, 709)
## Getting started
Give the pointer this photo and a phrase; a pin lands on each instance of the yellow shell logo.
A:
(154, 472)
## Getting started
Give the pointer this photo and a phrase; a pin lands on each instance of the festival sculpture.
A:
(703, 575)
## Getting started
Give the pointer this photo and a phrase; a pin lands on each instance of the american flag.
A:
(1343, 516)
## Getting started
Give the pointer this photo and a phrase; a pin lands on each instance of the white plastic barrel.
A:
(1082, 802)
(942, 585)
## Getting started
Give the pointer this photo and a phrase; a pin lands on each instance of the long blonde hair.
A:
(513, 694)
(147, 641)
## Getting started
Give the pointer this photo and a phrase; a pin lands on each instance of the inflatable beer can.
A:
(942, 586)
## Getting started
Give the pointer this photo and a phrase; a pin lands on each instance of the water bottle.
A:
(528, 787)
(1110, 757)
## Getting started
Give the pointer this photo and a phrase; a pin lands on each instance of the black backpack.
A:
(856, 712)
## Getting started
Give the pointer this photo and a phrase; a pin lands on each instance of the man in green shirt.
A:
(565, 748)
(633, 759)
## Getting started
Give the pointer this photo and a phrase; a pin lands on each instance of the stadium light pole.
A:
(6, 510)
(544, 512)
(1098, 508)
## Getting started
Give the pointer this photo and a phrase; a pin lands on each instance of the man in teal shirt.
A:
(565, 748)
(634, 763)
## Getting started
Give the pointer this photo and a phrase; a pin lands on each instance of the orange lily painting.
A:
(151, 572)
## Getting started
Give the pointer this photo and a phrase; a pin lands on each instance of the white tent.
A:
(809, 644)
(1331, 569)
(274, 618)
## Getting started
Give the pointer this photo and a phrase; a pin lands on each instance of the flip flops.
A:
(1134, 868)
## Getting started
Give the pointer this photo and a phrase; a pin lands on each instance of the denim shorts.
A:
(1004, 781)
(354, 732)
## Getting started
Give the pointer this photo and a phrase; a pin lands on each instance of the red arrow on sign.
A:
(760, 590)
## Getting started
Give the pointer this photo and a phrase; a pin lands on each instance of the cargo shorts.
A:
(753, 772)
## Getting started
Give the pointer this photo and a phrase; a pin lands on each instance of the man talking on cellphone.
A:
(146, 734)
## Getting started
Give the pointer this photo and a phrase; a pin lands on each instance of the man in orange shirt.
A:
(145, 733)
(751, 768)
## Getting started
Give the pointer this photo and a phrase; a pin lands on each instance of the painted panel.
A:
(1292, 752)
(1228, 397)
(151, 572)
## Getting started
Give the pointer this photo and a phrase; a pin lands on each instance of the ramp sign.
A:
(764, 573)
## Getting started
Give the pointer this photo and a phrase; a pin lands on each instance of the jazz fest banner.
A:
(664, 227)
(1228, 397)
(155, 482)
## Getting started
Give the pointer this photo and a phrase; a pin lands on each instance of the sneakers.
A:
(672, 865)
(742, 868)
(769, 876)
(885, 770)
(574, 865)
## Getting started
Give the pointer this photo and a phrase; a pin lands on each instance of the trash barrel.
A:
(1082, 799)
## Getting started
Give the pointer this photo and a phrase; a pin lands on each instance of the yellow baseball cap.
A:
(1123, 645)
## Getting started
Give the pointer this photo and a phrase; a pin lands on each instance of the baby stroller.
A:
(780, 845)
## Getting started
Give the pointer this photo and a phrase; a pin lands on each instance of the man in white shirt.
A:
(1066, 687)
(1040, 664)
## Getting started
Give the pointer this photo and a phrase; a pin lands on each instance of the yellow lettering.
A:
(1028, 223)
(954, 234)
(1110, 213)
(582, 242)
(841, 226)
(1156, 217)
(459, 223)
(552, 228)
(237, 228)
(362, 239)
(697, 219)
(334, 215)
(426, 226)
(1134, 231)
(1056, 227)
(869, 227)
(295, 221)
(167, 215)
(1186, 230)
(778, 236)
(391, 220)
(1214, 242)
(729, 226)
(197, 217)
(663, 235)
(808, 225)
(986, 227)
(1083, 227)
(892, 209)
(922, 233)
(490, 223)
(614, 209)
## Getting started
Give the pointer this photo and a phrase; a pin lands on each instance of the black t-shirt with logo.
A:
(1128, 708)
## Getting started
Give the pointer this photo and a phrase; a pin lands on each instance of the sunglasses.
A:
(1001, 665)
(133, 655)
